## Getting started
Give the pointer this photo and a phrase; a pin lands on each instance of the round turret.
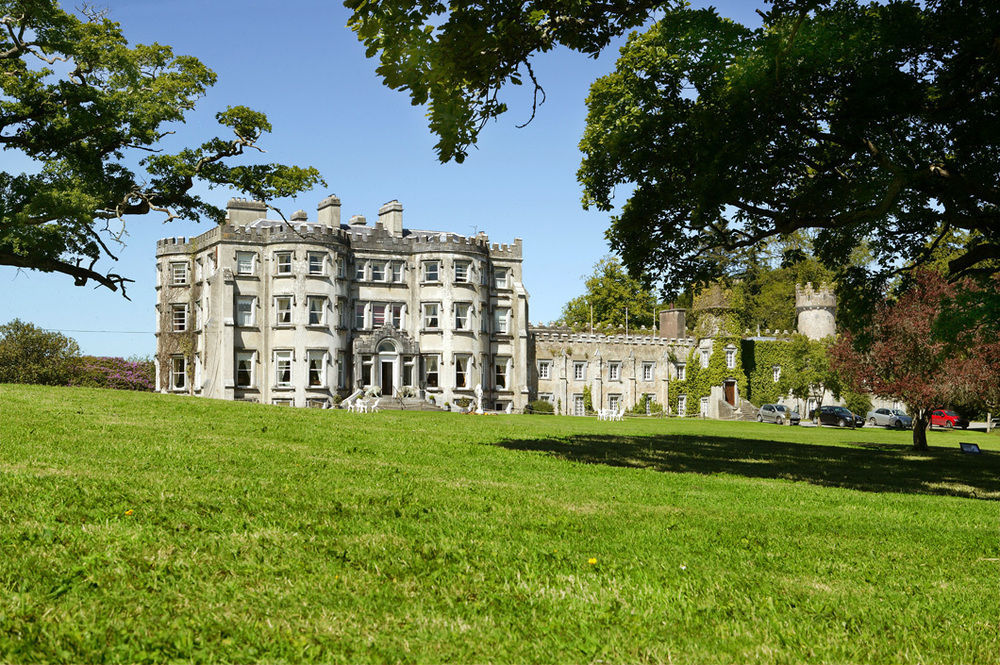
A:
(817, 310)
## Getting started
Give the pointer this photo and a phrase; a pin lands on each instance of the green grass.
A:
(261, 533)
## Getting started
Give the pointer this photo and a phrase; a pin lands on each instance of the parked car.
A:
(948, 419)
(889, 418)
(836, 415)
(777, 413)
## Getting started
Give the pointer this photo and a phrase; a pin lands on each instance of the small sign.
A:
(972, 448)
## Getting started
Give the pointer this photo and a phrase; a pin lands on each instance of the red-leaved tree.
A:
(902, 355)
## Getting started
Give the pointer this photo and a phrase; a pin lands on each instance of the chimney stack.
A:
(240, 212)
(328, 211)
(673, 323)
(390, 218)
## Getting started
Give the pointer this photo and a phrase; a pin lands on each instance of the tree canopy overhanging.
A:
(873, 121)
(91, 112)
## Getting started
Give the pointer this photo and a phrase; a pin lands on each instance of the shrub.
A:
(541, 406)
(655, 408)
(858, 403)
(29, 354)
(117, 373)
(463, 402)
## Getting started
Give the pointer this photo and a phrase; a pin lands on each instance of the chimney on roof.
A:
(300, 216)
(390, 218)
(673, 324)
(328, 211)
(240, 212)
(357, 220)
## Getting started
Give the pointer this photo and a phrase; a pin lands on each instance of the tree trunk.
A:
(920, 424)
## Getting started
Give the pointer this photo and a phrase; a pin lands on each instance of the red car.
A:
(948, 419)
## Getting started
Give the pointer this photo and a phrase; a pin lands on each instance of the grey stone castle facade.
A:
(297, 313)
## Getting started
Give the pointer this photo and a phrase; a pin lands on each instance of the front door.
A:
(387, 378)
(730, 387)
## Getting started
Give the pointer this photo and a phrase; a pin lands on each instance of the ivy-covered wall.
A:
(759, 359)
(699, 380)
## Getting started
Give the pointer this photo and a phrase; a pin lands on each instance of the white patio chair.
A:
(373, 408)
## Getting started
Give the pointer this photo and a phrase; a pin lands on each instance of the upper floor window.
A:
(341, 267)
(432, 271)
(462, 318)
(430, 310)
(178, 318)
(647, 371)
(283, 263)
(397, 271)
(317, 263)
(730, 358)
(378, 271)
(500, 278)
(378, 314)
(462, 271)
(245, 310)
(682, 372)
(396, 310)
(579, 371)
(360, 309)
(283, 310)
(484, 275)
(359, 269)
(544, 369)
(500, 320)
(179, 273)
(614, 371)
(245, 263)
(317, 310)
(705, 355)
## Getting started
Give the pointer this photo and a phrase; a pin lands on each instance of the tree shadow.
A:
(861, 466)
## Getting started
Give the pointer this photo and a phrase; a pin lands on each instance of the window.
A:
(547, 397)
(341, 268)
(647, 371)
(341, 370)
(283, 310)
(544, 369)
(179, 273)
(198, 270)
(500, 316)
(430, 371)
(178, 373)
(730, 358)
(178, 318)
(317, 310)
(316, 361)
(244, 369)
(682, 405)
(283, 263)
(578, 408)
(378, 271)
(500, 373)
(462, 271)
(614, 371)
(397, 317)
(462, 319)
(245, 310)
(378, 314)
(431, 273)
(317, 263)
(682, 372)
(579, 371)
(430, 315)
(283, 369)
(705, 355)
(483, 319)
(408, 373)
(703, 407)
(397, 271)
(359, 269)
(776, 373)
(461, 371)
(359, 315)
(614, 401)
(367, 364)
(500, 278)
(483, 274)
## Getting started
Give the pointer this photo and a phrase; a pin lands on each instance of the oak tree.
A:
(611, 296)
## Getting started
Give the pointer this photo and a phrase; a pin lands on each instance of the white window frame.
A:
(682, 372)
(463, 363)
(614, 401)
(501, 320)
(703, 407)
(463, 271)
(776, 373)
(682, 405)
(501, 363)
(730, 358)
(284, 358)
(178, 317)
(614, 371)
(252, 357)
(706, 354)
(341, 266)
(375, 307)
(379, 272)
(397, 272)
(283, 263)
(545, 369)
(180, 273)
(432, 276)
(579, 371)
(360, 270)
(648, 371)
(579, 405)
(547, 397)
(312, 300)
(463, 315)
(430, 364)
(278, 310)
(397, 315)
(251, 319)
(311, 258)
(178, 370)
(341, 370)
(425, 316)
(500, 282)
(319, 356)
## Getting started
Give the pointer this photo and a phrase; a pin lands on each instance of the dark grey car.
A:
(777, 413)
(889, 418)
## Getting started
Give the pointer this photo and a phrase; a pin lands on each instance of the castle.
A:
(296, 313)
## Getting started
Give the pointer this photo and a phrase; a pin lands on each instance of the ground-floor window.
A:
(682, 405)
(178, 372)
(283, 369)
(408, 364)
(546, 397)
(430, 371)
(500, 373)
(244, 369)
(281, 402)
(703, 410)
(578, 408)
(461, 371)
(366, 370)
(317, 368)
(614, 401)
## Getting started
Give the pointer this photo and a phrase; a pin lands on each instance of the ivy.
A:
(699, 380)
(759, 360)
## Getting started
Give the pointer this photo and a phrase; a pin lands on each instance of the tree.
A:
(29, 354)
(899, 356)
(867, 121)
(610, 292)
(808, 374)
(92, 112)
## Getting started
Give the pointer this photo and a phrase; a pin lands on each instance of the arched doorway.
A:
(388, 366)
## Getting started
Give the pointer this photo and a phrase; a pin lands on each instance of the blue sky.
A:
(299, 63)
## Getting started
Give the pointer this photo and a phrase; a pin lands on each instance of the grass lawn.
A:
(146, 528)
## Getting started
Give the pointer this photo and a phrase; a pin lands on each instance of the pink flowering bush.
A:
(118, 373)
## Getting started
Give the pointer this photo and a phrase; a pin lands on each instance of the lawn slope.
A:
(145, 528)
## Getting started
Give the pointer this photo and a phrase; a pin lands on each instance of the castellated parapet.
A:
(817, 310)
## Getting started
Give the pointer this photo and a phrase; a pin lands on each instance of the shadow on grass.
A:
(865, 467)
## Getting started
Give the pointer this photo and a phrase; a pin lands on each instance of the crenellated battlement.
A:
(807, 297)
(560, 335)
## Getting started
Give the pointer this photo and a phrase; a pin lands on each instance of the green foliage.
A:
(29, 354)
(759, 360)
(86, 125)
(303, 535)
(699, 380)
(858, 403)
(809, 372)
(655, 408)
(588, 399)
(610, 292)
(541, 406)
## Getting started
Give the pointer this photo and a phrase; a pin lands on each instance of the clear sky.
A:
(299, 63)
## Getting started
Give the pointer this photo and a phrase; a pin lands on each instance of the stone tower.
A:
(816, 310)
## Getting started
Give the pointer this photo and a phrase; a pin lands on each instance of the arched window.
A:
(387, 346)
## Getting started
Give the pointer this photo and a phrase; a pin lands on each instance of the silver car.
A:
(777, 413)
(889, 418)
